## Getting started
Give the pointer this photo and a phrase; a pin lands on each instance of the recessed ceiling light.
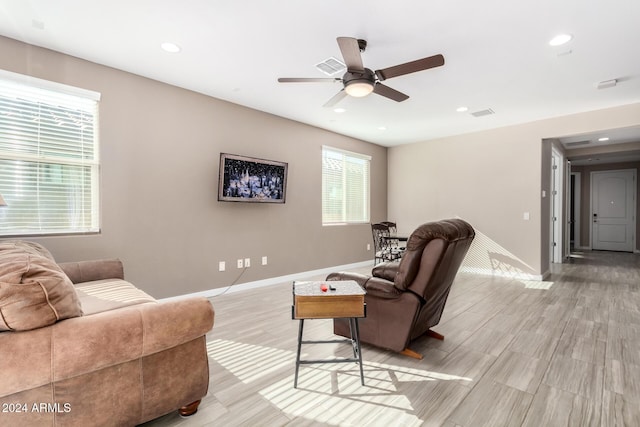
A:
(339, 110)
(170, 47)
(560, 39)
(37, 24)
(382, 128)
(603, 139)
(462, 109)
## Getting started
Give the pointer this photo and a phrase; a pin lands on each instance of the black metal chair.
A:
(398, 244)
(385, 250)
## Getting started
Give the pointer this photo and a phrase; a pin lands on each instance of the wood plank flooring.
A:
(565, 352)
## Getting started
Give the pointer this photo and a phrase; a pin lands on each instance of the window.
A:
(49, 161)
(345, 187)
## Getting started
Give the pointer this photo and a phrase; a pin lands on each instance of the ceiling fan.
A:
(359, 81)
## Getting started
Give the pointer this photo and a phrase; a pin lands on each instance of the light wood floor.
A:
(565, 352)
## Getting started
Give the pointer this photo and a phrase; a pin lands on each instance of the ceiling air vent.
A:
(331, 66)
(481, 113)
(576, 143)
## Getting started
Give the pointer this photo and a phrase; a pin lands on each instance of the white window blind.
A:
(345, 187)
(49, 161)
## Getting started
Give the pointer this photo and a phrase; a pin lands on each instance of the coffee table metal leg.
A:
(295, 381)
(355, 341)
(355, 320)
(352, 334)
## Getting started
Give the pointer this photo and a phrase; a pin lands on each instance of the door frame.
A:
(557, 238)
(576, 195)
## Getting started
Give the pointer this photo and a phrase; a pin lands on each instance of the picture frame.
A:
(251, 179)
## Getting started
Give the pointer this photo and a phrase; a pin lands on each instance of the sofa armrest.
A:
(86, 344)
(87, 271)
(128, 333)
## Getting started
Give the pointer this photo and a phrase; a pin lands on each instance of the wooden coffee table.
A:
(329, 300)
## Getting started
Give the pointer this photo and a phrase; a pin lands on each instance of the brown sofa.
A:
(80, 346)
(406, 298)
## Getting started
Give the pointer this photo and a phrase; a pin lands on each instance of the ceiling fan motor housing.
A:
(359, 84)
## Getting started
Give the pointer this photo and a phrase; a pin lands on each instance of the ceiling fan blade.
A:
(335, 99)
(390, 93)
(351, 54)
(308, 80)
(410, 67)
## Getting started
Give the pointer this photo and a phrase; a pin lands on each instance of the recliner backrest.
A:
(433, 256)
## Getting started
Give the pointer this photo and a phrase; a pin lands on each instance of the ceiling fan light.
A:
(359, 88)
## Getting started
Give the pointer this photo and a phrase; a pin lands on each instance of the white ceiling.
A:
(496, 52)
(606, 146)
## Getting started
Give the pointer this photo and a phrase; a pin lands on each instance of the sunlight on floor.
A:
(333, 395)
(248, 362)
(329, 393)
(535, 284)
(486, 256)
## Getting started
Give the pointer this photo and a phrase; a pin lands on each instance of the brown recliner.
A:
(406, 298)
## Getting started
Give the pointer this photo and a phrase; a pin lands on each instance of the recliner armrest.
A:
(381, 288)
(361, 279)
(374, 286)
(386, 270)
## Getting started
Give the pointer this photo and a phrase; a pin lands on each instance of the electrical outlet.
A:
(221, 266)
(368, 246)
(240, 263)
(264, 260)
(247, 262)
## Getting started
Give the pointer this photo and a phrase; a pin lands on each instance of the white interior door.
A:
(613, 210)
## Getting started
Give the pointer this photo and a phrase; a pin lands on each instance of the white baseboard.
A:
(306, 274)
(269, 282)
(588, 248)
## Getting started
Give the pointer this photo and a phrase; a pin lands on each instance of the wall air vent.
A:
(576, 143)
(481, 113)
(331, 66)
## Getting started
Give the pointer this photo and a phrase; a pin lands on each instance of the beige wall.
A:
(491, 179)
(160, 148)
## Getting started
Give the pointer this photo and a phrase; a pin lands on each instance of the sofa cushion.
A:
(34, 292)
(109, 294)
